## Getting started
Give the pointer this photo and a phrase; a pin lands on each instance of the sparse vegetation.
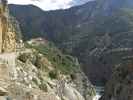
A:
(62, 62)
(53, 74)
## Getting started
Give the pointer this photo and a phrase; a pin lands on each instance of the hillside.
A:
(89, 32)
(119, 86)
(37, 69)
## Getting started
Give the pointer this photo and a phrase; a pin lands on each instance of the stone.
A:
(3, 92)
(4, 72)
(7, 35)
(2, 98)
(71, 93)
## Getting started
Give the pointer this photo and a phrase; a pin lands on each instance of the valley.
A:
(36, 69)
(81, 53)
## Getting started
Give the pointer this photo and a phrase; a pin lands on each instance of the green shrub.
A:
(23, 57)
(53, 74)
(65, 63)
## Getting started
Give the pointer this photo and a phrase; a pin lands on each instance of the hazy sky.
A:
(50, 4)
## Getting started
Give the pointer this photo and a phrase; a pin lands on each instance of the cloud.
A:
(78, 2)
(50, 4)
(54, 4)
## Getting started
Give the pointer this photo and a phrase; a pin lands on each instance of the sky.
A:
(49, 4)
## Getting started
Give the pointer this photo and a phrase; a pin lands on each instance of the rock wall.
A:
(120, 87)
(7, 34)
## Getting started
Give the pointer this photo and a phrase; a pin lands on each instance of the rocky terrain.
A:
(36, 69)
(120, 85)
(99, 32)
(7, 35)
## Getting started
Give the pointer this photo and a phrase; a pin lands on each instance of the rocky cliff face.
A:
(7, 34)
(121, 83)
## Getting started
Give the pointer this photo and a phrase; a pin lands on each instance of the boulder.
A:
(3, 92)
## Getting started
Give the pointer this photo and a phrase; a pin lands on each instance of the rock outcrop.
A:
(25, 81)
(7, 34)
(120, 87)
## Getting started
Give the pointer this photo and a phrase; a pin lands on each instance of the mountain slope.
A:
(119, 86)
(92, 32)
(37, 70)
(49, 23)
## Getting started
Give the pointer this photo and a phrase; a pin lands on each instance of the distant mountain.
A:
(49, 23)
(99, 33)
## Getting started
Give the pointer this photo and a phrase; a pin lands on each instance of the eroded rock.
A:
(120, 87)
(7, 35)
